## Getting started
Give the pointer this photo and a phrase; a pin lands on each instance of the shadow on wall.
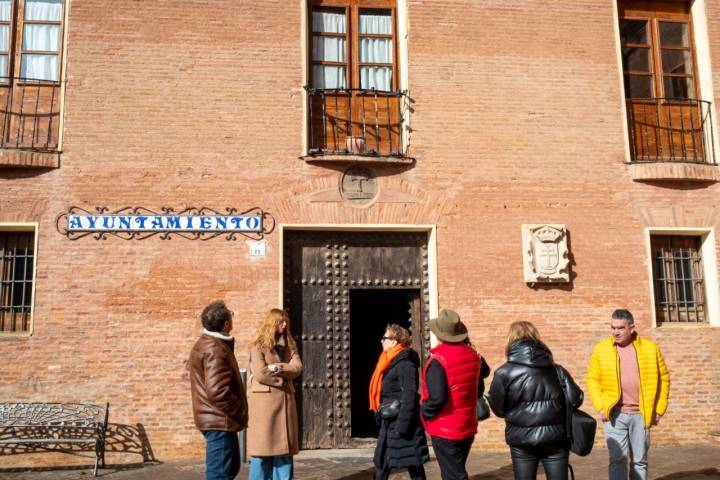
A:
(119, 438)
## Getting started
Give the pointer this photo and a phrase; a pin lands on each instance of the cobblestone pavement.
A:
(666, 463)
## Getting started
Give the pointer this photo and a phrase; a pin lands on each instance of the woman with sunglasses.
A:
(401, 440)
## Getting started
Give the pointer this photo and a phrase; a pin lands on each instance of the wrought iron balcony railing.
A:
(671, 130)
(30, 114)
(347, 121)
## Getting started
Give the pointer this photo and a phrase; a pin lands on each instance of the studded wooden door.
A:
(320, 270)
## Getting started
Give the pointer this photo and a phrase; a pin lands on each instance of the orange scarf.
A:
(377, 378)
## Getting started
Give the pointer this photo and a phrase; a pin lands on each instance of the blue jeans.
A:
(271, 468)
(222, 455)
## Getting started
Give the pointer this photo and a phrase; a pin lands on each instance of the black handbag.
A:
(482, 408)
(580, 426)
(582, 432)
(390, 409)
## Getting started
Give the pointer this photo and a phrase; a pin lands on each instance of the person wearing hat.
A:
(452, 383)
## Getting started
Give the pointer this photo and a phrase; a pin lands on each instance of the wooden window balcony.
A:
(30, 114)
(671, 130)
(356, 122)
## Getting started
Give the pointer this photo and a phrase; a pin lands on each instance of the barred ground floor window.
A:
(17, 271)
(678, 277)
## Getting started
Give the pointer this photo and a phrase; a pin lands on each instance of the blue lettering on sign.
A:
(108, 222)
(253, 223)
(165, 222)
(173, 223)
(157, 223)
(74, 223)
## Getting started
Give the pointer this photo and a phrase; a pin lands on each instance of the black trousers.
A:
(416, 473)
(451, 456)
(525, 462)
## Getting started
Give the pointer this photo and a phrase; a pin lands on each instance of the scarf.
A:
(377, 377)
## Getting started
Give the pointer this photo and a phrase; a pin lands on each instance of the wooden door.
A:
(320, 270)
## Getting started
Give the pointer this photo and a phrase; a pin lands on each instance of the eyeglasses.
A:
(387, 338)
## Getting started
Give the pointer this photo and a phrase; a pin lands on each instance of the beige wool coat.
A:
(273, 422)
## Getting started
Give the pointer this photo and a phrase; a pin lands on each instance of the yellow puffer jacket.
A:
(603, 378)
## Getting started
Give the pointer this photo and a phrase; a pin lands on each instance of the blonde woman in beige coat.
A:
(273, 427)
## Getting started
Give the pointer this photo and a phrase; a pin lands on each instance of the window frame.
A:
(663, 11)
(16, 50)
(33, 227)
(709, 271)
(352, 38)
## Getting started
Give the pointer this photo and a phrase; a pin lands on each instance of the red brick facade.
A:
(517, 118)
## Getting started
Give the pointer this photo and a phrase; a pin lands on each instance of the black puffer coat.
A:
(401, 440)
(526, 391)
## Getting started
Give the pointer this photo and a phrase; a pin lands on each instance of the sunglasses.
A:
(387, 338)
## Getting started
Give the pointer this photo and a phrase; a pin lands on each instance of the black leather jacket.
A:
(526, 391)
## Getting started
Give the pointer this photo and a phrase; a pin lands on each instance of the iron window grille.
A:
(678, 279)
(16, 280)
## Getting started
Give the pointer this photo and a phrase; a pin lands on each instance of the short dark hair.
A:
(215, 315)
(623, 314)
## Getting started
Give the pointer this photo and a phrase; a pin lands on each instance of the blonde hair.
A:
(266, 336)
(400, 334)
(522, 331)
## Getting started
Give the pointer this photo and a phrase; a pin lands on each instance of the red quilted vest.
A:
(458, 418)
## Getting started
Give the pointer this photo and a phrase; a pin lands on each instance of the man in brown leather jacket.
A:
(218, 395)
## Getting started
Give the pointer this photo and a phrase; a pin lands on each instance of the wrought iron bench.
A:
(62, 424)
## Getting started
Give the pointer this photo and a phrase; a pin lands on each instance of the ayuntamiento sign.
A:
(139, 223)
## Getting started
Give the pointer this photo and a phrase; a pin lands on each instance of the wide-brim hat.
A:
(447, 327)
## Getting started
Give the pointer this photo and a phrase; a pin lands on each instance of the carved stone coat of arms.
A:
(545, 253)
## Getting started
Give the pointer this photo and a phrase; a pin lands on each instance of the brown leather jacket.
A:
(218, 395)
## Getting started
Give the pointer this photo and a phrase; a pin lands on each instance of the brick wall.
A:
(517, 119)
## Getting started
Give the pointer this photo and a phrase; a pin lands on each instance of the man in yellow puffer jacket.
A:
(629, 385)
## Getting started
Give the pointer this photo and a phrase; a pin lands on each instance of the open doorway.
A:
(386, 274)
(370, 312)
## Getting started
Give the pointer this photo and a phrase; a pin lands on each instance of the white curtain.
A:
(43, 10)
(44, 38)
(327, 22)
(379, 78)
(4, 37)
(5, 10)
(39, 67)
(326, 76)
(329, 49)
(377, 24)
(41, 37)
(376, 50)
